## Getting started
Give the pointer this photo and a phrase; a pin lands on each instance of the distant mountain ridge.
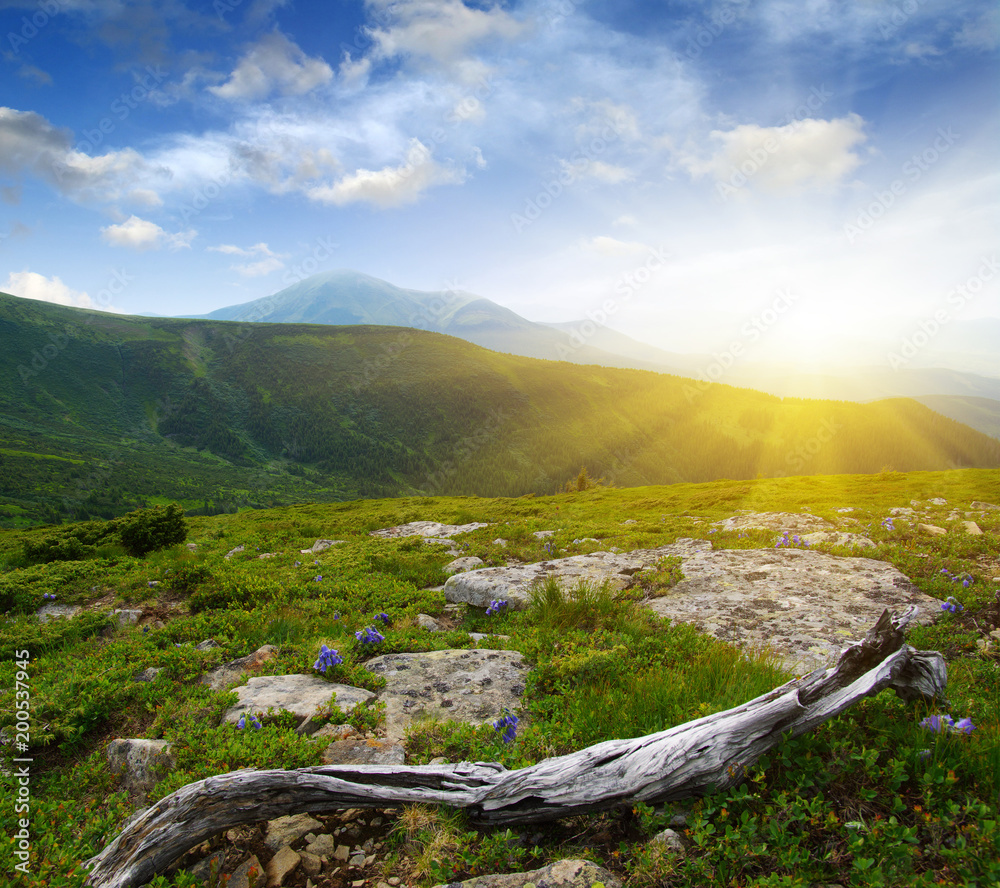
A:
(100, 413)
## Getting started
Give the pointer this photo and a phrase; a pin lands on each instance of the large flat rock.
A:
(425, 529)
(301, 694)
(470, 686)
(806, 606)
(512, 584)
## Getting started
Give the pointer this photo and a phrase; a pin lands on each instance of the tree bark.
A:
(691, 759)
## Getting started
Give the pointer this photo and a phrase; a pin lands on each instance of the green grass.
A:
(867, 799)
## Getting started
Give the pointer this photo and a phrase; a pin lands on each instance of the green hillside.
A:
(101, 413)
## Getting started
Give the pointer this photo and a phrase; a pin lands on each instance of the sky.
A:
(785, 176)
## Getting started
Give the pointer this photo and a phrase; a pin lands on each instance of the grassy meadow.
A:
(870, 798)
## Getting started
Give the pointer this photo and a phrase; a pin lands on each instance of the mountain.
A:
(100, 413)
(347, 297)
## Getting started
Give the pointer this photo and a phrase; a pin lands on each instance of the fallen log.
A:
(691, 759)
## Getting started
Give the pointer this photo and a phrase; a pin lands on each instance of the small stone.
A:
(424, 621)
(972, 528)
(343, 852)
(938, 501)
(358, 884)
(191, 547)
(394, 881)
(311, 864)
(207, 645)
(630, 521)
(241, 875)
(334, 732)
(357, 860)
(322, 846)
(204, 869)
(233, 552)
(285, 830)
(281, 866)
(127, 617)
(932, 529)
(147, 674)
(670, 840)
(978, 504)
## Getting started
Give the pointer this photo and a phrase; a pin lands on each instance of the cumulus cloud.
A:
(31, 285)
(141, 234)
(30, 144)
(442, 30)
(266, 260)
(390, 186)
(274, 65)
(805, 153)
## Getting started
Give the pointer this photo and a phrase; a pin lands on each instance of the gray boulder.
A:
(300, 694)
(229, 673)
(470, 686)
(139, 764)
(561, 874)
(426, 529)
(460, 565)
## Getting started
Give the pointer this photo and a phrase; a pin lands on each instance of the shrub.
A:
(150, 529)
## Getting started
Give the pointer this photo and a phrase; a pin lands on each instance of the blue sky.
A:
(670, 167)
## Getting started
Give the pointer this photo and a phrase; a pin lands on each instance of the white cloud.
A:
(269, 261)
(626, 219)
(30, 144)
(609, 246)
(805, 153)
(31, 285)
(274, 65)
(390, 186)
(442, 30)
(141, 234)
(982, 33)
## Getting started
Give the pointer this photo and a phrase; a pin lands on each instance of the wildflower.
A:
(495, 607)
(371, 635)
(945, 724)
(242, 723)
(887, 524)
(952, 606)
(49, 596)
(318, 578)
(298, 564)
(327, 657)
(384, 617)
(508, 724)
(966, 582)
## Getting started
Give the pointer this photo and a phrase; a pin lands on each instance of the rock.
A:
(321, 546)
(357, 860)
(670, 840)
(804, 605)
(147, 674)
(561, 874)
(207, 869)
(364, 752)
(229, 673)
(459, 565)
(845, 509)
(543, 534)
(241, 875)
(311, 864)
(191, 547)
(780, 521)
(233, 552)
(426, 529)
(902, 511)
(139, 764)
(333, 732)
(932, 529)
(299, 694)
(322, 846)
(978, 504)
(267, 555)
(127, 617)
(630, 521)
(838, 538)
(480, 587)
(938, 501)
(209, 644)
(281, 866)
(342, 853)
(285, 830)
(57, 611)
(482, 636)
(470, 686)
(972, 528)
(583, 540)
(501, 542)
(427, 622)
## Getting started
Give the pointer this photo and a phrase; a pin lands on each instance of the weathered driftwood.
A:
(688, 760)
